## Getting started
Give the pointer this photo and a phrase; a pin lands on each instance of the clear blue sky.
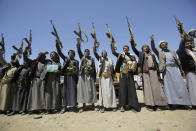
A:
(146, 17)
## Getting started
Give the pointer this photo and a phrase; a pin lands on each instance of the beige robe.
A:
(153, 92)
(7, 91)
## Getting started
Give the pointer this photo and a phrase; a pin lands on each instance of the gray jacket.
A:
(162, 60)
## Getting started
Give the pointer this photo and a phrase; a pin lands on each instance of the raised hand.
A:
(183, 36)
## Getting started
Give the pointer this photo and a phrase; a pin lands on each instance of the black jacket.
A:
(141, 56)
(187, 61)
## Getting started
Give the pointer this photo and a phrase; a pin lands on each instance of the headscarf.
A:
(162, 41)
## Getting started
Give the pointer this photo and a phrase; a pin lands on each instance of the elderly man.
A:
(148, 70)
(107, 97)
(174, 86)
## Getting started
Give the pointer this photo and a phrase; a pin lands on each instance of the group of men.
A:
(34, 86)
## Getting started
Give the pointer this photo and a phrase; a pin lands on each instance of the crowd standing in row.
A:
(34, 86)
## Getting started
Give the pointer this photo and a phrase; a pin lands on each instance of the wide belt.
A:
(106, 74)
(151, 68)
(172, 65)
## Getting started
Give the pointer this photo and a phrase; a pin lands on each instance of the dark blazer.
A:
(187, 61)
(83, 62)
(120, 59)
(141, 56)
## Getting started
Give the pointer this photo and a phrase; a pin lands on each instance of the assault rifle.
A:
(130, 30)
(19, 50)
(56, 35)
(79, 33)
(97, 44)
(29, 42)
(180, 27)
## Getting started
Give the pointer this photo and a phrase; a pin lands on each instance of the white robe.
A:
(107, 97)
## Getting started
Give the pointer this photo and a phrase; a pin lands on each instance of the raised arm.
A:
(154, 49)
(95, 51)
(79, 48)
(181, 46)
(114, 51)
(59, 51)
(133, 43)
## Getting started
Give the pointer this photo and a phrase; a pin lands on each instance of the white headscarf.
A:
(192, 30)
(162, 41)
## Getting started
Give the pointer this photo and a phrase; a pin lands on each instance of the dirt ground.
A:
(161, 120)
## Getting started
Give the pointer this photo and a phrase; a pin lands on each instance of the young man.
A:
(126, 65)
(52, 91)
(148, 70)
(70, 70)
(107, 96)
(86, 92)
